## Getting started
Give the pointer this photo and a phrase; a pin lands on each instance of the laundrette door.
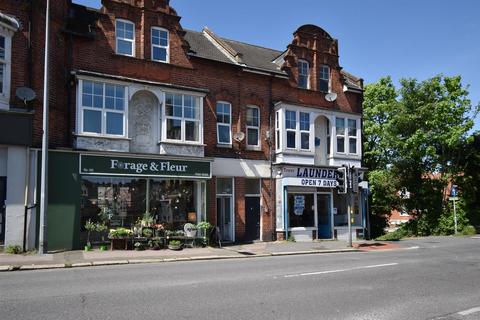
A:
(324, 214)
(3, 194)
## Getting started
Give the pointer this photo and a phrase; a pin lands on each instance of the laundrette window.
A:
(301, 211)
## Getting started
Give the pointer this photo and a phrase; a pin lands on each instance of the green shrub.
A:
(468, 231)
(13, 249)
(393, 236)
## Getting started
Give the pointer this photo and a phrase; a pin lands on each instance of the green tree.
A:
(413, 135)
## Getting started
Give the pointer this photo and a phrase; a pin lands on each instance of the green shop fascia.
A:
(118, 190)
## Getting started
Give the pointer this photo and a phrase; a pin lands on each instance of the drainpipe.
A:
(271, 143)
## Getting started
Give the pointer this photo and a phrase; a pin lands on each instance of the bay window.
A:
(324, 79)
(352, 136)
(102, 108)
(125, 37)
(304, 131)
(160, 44)
(253, 126)
(346, 135)
(224, 123)
(277, 130)
(5, 65)
(182, 116)
(291, 128)
(340, 126)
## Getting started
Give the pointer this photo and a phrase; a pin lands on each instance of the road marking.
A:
(339, 270)
(469, 311)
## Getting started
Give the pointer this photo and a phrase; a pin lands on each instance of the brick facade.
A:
(84, 39)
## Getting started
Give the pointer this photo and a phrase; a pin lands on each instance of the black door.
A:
(252, 219)
(3, 194)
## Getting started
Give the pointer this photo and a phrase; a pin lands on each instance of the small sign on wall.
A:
(299, 205)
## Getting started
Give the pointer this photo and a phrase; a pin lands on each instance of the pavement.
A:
(74, 259)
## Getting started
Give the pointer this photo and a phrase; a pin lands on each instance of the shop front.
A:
(309, 207)
(119, 191)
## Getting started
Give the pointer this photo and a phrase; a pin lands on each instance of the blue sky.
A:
(402, 38)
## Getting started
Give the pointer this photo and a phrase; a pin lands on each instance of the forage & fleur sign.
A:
(113, 165)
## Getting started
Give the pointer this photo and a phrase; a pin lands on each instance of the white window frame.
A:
(103, 110)
(167, 47)
(278, 135)
(321, 78)
(351, 137)
(250, 127)
(165, 118)
(346, 137)
(132, 41)
(7, 65)
(295, 130)
(223, 124)
(301, 65)
(300, 131)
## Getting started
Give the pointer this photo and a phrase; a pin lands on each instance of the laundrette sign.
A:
(110, 165)
(310, 176)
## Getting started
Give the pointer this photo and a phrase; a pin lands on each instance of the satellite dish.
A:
(239, 136)
(332, 96)
(25, 94)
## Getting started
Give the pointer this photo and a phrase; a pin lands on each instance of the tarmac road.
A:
(437, 278)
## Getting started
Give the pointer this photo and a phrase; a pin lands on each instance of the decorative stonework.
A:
(143, 123)
(102, 144)
(181, 150)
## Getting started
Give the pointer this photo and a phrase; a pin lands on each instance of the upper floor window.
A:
(352, 136)
(102, 108)
(346, 135)
(182, 115)
(224, 123)
(253, 126)
(303, 74)
(160, 45)
(340, 126)
(291, 128)
(125, 37)
(324, 79)
(277, 130)
(304, 131)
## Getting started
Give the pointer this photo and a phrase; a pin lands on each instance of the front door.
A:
(324, 216)
(252, 218)
(3, 194)
(224, 218)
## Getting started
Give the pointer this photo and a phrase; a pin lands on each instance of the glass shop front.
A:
(171, 192)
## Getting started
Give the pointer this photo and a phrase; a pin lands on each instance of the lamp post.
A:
(43, 243)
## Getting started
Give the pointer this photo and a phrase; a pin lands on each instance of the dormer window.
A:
(303, 74)
(324, 79)
(160, 45)
(125, 37)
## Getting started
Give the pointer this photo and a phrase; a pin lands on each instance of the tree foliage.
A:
(413, 140)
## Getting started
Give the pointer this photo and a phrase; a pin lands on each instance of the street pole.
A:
(455, 216)
(43, 243)
(349, 184)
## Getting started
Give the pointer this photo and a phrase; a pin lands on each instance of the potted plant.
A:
(147, 220)
(90, 227)
(159, 230)
(175, 245)
(190, 230)
(138, 246)
(204, 227)
(155, 244)
(147, 232)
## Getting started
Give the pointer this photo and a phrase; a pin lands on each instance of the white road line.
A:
(469, 311)
(339, 270)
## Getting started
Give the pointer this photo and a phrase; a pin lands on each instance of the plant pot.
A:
(175, 247)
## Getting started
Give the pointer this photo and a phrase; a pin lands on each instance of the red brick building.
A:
(188, 126)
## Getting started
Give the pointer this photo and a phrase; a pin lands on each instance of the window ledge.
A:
(253, 148)
(99, 136)
(225, 146)
(173, 142)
